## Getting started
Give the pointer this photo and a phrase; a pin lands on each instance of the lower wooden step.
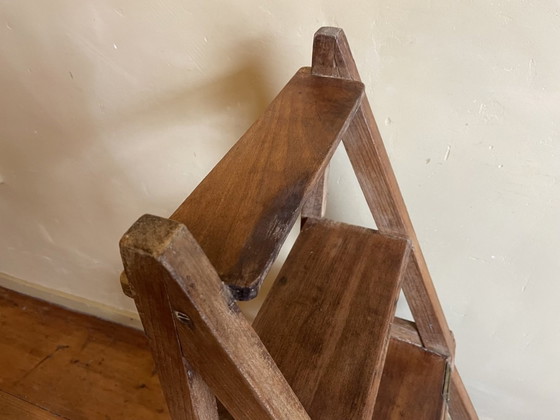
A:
(415, 381)
(326, 319)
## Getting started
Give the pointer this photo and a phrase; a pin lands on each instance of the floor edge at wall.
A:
(71, 302)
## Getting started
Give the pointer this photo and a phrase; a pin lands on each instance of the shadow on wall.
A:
(245, 88)
(66, 137)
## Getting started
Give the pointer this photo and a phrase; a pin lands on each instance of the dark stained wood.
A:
(460, 404)
(242, 211)
(214, 336)
(187, 395)
(414, 379)
(326, 319)
(74, 366)
(365, 148)
(13, 408)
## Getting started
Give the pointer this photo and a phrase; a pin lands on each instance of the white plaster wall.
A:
(114, 108)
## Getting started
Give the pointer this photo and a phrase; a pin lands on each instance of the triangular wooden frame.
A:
(148, 248)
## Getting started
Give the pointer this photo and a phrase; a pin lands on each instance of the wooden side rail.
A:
(332, 57)
(243, 210)
(160, 255)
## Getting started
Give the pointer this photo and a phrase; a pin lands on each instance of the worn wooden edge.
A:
(405, 330)
(332, 56)
(150, 235)
(134, 238)
(142, 246)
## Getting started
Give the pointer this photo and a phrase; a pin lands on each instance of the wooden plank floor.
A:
(57, 364)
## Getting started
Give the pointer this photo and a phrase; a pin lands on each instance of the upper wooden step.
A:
(242, 211)
(326, 320)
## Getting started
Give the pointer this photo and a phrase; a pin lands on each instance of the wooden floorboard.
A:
(55, 363)
(14, 408)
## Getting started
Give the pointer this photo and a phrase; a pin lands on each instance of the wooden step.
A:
(242, 211)
(326, 319)
(415, 380)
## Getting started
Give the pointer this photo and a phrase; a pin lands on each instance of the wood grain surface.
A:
(326, 319)
(242, 211)
(57, 363)
(187, 395)
(414, 379)
(13, 408)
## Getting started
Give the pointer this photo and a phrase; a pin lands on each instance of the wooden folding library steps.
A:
(326, 343)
